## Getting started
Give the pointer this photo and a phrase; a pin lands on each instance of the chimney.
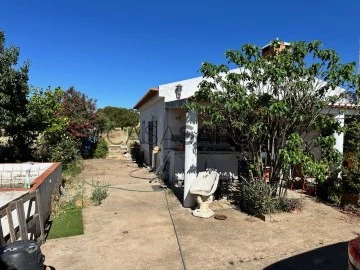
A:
(270, 49)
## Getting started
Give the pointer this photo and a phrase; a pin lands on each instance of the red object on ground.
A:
(354, 253)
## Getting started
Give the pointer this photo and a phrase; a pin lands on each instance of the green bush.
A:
(72, 169)
(66, 151)
(289, 204)
(101, 149)
(99, 192)
(257, 197)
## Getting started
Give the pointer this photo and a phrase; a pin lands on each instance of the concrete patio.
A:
(133, 230)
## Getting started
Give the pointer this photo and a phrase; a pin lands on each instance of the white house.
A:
(182, 146)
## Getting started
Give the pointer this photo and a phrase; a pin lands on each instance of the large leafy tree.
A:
(64, 121)
(53, 144)
(14, 90)
(271, 105)
(80, 110)
(44, 109)
(119, 117)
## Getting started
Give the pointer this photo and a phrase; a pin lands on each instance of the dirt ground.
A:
(133, 230)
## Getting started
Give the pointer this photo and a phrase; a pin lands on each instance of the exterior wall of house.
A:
(309, 138)
(171, 119)
(174, 128)
(154, 110)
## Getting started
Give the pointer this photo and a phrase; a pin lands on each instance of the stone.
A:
(203, 188)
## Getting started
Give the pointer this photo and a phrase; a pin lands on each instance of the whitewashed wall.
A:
(176, 119)
(153, 110)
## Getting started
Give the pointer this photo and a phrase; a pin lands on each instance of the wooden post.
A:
(2, 239)
(21, 219)
(38, 211)
(11, 222)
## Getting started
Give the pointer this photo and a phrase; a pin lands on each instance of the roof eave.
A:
(149, 95)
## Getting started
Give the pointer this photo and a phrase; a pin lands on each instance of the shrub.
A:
(99, 192)
(290, 204)
(71, 170)
(257, 197)
(101, 149)
(79, 197)
(65, 151)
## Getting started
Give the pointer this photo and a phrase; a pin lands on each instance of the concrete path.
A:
(133, 230)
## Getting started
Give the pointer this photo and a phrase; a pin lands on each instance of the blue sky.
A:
(114, 51)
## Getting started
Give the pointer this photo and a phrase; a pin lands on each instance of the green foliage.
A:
(289, 204)
(66, 151)
(71, 170)
(257, 198)
(99, 192)
(78, 198)
(43, 113)
(335, 198)
(101, 149)
(13, 101)
(349, 183)
(62, 118)
(119, 117)
(270, 104)
(46, 125)
(351, 172)
(295, 153)
(43, 110)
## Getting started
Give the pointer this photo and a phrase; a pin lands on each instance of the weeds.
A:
(71, 171)
(99, 192)
(79, 197)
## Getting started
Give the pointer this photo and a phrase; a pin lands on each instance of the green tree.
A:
(272, 104)
(44, 109)
(14, 90)
(351, 179)
(119, 117)
(64, 120)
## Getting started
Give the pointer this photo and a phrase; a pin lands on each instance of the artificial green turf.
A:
(68, 223)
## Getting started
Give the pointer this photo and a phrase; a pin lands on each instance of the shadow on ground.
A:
(328, 257)
(178, 192)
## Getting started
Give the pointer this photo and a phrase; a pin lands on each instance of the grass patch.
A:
(69, 222)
